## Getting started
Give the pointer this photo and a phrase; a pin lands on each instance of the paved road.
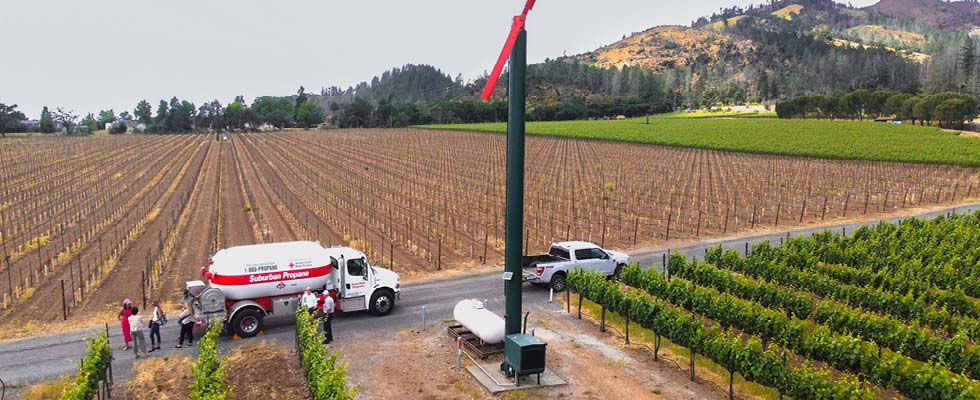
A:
(31, 360)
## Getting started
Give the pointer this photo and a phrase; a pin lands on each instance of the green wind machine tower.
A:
(523, 354)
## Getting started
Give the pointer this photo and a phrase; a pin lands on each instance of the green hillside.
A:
(825, 139)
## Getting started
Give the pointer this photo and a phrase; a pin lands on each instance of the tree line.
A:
(13, 120)
(562, 89)
(364, 113)
(181, 116)
(175, 116)
(948, 109)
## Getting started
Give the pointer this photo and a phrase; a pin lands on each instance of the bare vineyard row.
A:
(86, 249)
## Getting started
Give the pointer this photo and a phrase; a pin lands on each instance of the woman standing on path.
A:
(156, 319)
(124, 323)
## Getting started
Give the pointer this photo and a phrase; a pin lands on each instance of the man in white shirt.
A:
(308, 300)
(328, 310)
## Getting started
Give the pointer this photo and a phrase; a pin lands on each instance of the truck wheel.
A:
(247, 323)
(617, 272)
(558, 282)
(382, 302)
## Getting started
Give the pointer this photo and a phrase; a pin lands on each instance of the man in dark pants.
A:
(327, 309)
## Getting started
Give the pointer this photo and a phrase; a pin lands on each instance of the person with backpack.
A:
(156, 321)
(186, 321)
(136, 329)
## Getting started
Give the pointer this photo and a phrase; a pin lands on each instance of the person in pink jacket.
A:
(124, 323)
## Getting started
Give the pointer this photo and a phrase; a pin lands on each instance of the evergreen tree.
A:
(968, 57)
(301, 98)
(143, 113)
(162, 116)
(46, 121)
(90, 122)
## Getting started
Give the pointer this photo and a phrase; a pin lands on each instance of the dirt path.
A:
(195, 239)
(236, 229)
(266, 201)
(327, 233)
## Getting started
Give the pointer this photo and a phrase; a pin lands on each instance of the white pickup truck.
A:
(552, 268)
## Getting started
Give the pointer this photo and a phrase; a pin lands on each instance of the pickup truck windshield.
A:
(558, 252)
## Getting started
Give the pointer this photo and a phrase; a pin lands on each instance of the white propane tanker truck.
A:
(248, 283)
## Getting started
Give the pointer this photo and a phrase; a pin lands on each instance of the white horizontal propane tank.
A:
(486, 325)
(269, 270)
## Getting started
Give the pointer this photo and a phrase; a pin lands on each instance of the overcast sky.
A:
(99, 54)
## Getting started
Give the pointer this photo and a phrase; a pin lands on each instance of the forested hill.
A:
(557, 89)
(936, 13)
(409, 83)
(789, 48)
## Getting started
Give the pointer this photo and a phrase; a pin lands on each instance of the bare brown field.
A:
(114, 217)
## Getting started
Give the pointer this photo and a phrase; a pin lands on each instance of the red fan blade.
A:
(528, 6)
(502, 59)
(505, 53)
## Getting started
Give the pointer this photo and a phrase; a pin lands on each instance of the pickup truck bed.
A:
(532, 261)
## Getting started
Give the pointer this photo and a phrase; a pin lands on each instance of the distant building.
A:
(32, 125)
(886, 119)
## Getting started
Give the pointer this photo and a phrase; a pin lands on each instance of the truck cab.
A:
(359, 285)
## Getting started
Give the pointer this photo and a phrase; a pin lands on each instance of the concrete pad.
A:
(548, 379)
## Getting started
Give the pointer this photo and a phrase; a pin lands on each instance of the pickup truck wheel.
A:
(382, 302)
(558, 282)
(617, 272)
(247, 323)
